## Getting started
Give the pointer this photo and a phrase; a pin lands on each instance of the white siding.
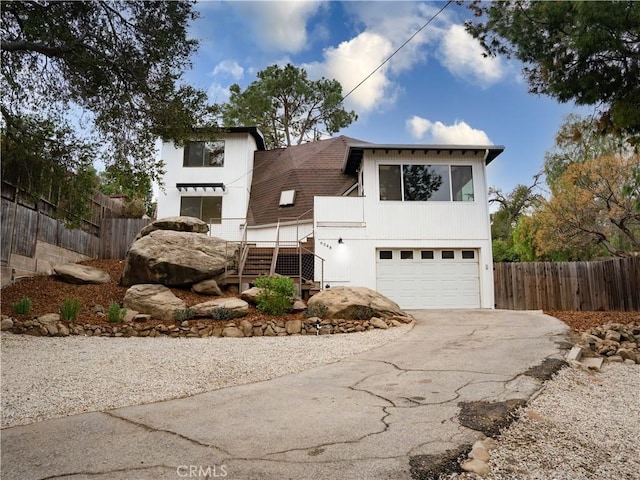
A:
(236, 174)
(367, 224)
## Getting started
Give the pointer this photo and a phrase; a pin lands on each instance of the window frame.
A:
(451, 194)
(218, 220)
(220, 157)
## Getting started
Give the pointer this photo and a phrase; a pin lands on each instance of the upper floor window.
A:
(423, 183)
(204, 154)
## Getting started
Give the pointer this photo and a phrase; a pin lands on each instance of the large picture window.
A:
(422, 183)
(207, 209)
(204, 154)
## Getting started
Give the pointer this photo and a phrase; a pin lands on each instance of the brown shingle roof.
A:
(311, 169)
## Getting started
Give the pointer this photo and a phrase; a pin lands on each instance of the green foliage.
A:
(287, 106)
(503, 251)
(182, 314)
(110, 74)
(125, 179)
(362, 312)
(70, 309)
(276, 297)
(318, 310)
(584, 52)
(115, 314)
(22, 306)
(222, 313)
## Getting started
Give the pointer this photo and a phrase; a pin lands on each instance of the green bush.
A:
(276, 297)
(115, 314)
(362, 312)
(319, 310)
(222, 313)
(22, 306)
(183, 314)
(70, 309)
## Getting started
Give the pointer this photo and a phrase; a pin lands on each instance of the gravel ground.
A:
(47, 377)
(581, 426)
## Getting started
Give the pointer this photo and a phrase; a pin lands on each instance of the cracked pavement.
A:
(364, 417)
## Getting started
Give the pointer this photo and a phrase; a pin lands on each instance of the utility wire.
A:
(399, 48)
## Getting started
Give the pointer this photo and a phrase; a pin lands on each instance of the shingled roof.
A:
(311, 169)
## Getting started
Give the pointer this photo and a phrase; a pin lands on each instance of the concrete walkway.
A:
(366, 417)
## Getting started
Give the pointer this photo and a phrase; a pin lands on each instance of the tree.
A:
(512, 207)
(287, 106)
(579, 50)
(137, 186)
(591, 206)
(580, 139)
(100, 76)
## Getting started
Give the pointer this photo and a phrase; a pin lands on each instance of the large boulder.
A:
(350, 302)
(176, 259)
(155, 300)
(80, 274)
(176, 224)
(236, 306)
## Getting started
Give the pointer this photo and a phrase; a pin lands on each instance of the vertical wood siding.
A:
(600, 285)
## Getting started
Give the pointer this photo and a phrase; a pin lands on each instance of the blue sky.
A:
(437, 89)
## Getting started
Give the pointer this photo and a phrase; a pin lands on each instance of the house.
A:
(411, 221)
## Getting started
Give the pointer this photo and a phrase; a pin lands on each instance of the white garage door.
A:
(429, 278)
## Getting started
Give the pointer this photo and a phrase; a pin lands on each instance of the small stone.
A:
(293, 327)
(63, 330)
(612, 335)
(298, 306)
(207, 287)
(233, 332)
(6, 324)
(615, 359)
(479, 453)
(247, 327)
(52, 329)
(378, 323)
(49, 318)
(476, 466)
(141, 318)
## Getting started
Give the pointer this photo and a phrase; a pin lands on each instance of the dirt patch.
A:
(488, 417)
(546, 369)
(430, 467)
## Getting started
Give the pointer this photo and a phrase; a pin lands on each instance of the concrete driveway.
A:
(382, 414)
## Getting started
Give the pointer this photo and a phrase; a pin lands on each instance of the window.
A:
(422, 183)
(406, 254)
(426, 182)
(462, 183)
(386, 255)
(390, 182)
(287, 197)
(426, 254)
(207, 209)
(447, 254)
(204, 154)
(468, 254)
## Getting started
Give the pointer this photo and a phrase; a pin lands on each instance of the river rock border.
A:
(50, 325)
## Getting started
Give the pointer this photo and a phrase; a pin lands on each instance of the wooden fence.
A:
(116, 234)
(599, 285)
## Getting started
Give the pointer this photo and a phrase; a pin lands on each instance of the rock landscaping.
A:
(613, 342)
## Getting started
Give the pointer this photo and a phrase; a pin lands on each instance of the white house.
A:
(411, 221)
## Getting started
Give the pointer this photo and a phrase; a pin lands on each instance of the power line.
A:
(399, 48)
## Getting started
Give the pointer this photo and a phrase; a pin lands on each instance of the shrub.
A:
(319, 310)
(276, 297)
(363, 312)
(70, 309)
(22, 306)
(115, 314)
(222, 313)
(183, 314)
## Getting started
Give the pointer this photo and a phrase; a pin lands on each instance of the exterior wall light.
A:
(340, 241)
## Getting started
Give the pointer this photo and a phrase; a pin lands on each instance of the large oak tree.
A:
(92, 79)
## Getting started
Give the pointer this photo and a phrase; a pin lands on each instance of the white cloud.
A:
(218, 94)
(279, 26)
(350, 62)
(462, 55)
(228, 68)
(460, 133)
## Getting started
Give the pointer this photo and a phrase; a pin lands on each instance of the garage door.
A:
(429, 278)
